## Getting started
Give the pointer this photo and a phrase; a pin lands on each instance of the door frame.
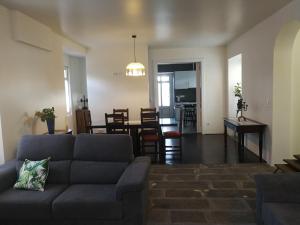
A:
(199, 80)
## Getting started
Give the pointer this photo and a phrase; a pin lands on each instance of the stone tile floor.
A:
(203, 194)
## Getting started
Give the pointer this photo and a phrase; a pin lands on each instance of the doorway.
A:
(286, 93)
(234, 78)
(165, 95)
(75, 86)
(178, 88)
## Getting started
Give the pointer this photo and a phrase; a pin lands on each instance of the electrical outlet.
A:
(117, 73)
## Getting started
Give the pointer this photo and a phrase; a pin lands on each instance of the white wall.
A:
(109, 88)
(234, 77)
(257, 47)
(30, 79)
(185, 79)
(1, 145)
(295, 96)
(213, 78)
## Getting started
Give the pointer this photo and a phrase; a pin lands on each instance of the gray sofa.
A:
(278, 199)
(93, 180)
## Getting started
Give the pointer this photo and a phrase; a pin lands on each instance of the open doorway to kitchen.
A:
(178, 88)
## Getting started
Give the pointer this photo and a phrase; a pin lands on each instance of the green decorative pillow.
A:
(33, 175)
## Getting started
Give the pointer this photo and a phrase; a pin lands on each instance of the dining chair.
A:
(174, 135)
(148, 110)
(150, 132)
(124, 111)
(190, 114)
(115, 124)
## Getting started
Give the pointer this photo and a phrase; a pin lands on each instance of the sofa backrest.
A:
(100, 159)
(58, 147)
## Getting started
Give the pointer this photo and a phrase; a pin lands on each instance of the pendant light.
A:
(135, 69)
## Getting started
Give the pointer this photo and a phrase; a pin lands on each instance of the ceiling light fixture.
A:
(135, 69)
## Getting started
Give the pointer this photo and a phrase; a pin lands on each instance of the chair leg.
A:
(175, 148)
(156, 150)
(143, 148)
(180, 147)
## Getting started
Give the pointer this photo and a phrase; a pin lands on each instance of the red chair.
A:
(150, 132)
(174, 135)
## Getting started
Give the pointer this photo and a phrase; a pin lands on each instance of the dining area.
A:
(151, 135)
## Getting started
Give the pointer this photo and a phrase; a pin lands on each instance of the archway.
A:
(286, 93)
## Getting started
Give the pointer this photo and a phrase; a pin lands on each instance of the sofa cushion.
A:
(59, 171)
(100, 159)
(88, 202)
(24, 204)
(58, 147)
(281, 213)
(104, 148)
(33, 175)
(38, 147)
(86, 172)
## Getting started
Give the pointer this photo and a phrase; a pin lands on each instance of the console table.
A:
(243, 127)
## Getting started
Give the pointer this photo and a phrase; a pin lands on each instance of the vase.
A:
(51, 126)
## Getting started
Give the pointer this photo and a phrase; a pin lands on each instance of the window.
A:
(67, 90)
(163, 85)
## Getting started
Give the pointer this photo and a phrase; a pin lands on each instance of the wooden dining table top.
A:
(137, 123)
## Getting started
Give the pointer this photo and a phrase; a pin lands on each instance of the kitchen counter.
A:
(185, 103)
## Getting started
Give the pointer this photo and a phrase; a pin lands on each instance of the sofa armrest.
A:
(279, 187)
(276, 188)
(8, 175)
(134, 178)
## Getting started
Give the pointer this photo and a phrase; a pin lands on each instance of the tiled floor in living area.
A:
(190, 194)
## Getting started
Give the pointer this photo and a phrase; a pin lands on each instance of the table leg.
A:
(243, 146)
(162, 153)
(225, 144)
(240, 146)
(260, 145)
(134, 132)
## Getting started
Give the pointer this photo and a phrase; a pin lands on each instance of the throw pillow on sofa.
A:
(33, 175)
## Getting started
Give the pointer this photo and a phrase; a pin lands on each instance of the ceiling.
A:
(158, 23)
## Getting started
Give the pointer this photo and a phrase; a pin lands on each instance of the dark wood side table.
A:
(69, 131)
(243, 127)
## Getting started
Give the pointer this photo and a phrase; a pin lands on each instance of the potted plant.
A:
(241, 105)
(48, 115)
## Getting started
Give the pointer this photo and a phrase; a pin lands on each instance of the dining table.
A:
(135, 125)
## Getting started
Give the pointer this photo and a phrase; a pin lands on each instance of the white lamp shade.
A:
(135, 69)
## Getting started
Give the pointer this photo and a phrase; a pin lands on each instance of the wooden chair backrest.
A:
(124, 111)
(115, 123)
(148, 110)
(150, 122)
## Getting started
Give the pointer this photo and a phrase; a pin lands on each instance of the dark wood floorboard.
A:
(209, 149)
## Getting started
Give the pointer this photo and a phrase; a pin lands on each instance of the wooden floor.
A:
(209, 149)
